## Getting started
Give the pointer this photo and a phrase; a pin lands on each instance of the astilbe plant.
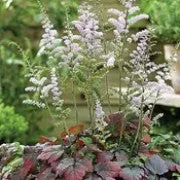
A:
(119, 145)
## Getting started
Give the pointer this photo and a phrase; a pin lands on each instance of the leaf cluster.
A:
(81, 155)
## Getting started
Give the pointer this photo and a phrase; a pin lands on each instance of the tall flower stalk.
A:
(85, 58)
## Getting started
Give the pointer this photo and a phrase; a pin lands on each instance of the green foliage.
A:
(164, 17)
(24, 17)
(23, 26)
(12, 126)
(11, 62)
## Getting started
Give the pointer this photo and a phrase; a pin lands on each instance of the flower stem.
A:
(107, 91)
(140, 125)
(75, 103)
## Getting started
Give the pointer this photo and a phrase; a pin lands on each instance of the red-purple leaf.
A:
(74, 169)
(156, 165)
(46, 174)
(115, 123)
(51, 153)
(29, 164)
(78, 171)
(132, 173)
(172, 166)
(103, 157)
(30, 160)
(107, 170)
(63, 165)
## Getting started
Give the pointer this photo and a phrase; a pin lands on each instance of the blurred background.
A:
(20, 23)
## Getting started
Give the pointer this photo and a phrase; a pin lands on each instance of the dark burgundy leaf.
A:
(115, 122)
(46, 174)
(156, 165)
(103, 157)
(79, 144)
(107, 169)
(132, 173)
(172, 166)
(51, 153)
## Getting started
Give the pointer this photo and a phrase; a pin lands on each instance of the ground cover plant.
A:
(117, 145)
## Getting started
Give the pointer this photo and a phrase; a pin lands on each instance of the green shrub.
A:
(164, 17)
(12, 126)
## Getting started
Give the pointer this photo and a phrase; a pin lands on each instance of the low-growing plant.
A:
(12, 125)
(85, 155)
(120, 145)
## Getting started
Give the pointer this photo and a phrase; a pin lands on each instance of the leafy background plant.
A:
(12, 125)
(23, 26)
(164, 17)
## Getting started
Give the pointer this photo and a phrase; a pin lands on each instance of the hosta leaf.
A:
(103, 157)
(156, 165)
(107, 169)
(46, 174)
(132, 173)
(51, 153)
